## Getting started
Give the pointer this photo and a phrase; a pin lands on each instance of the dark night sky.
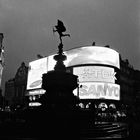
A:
(27, 27)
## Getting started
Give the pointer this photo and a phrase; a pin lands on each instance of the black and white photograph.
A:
(69, 69)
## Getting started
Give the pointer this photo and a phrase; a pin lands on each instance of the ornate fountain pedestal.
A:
(59, 102)
(59, 84)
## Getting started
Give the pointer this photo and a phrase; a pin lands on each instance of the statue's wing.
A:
(61, 25)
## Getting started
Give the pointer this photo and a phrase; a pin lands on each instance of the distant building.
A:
(137, 91)
(15, 88)
(127, 82)
(10, 90)
(137, 84)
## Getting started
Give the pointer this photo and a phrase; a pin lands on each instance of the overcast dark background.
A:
(27, 27)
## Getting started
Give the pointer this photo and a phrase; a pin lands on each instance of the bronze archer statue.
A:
(60, 28)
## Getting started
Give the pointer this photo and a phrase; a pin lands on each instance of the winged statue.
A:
(60, 28)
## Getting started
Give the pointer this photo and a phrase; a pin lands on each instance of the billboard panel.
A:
(36, 69)
(98, 90)
(88, 55)
(78, 56)
(93, 55)
(95, 74)
(36, 92)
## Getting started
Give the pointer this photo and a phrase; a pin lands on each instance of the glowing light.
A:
(36, 69)
(93, 90)
(34, 104)
(93, 55)
(88, 55)
(78, 56)
(95, 74)
(36, 92)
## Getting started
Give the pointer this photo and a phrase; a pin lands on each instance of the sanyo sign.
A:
(96, 82)
(99, 90)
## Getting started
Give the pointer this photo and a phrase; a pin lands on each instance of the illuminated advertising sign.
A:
(88, 55)
(36, 92)
(36, 69)
(75, 57)
(34, 104)
(93, 90)
(93, 55)
(95, 74)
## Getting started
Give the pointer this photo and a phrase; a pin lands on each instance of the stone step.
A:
(120, 130)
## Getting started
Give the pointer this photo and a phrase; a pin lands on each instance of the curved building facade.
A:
(96, 66)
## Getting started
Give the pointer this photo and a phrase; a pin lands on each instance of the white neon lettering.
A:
(101, 90)
(83, 90)
(94, 73)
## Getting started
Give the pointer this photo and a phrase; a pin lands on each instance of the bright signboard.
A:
(93, 55)
(36, 69)
(36, 92)
(95, 74)
(88, 55)
(98, 90)
(75, 57)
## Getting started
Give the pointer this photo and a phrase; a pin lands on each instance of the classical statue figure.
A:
(60, 28)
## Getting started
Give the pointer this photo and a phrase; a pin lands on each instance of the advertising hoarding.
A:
(98, 90)
(88, 55)
(78, 56)
(36, 69)
(93, 55)
(95, 74)
(36, 91)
